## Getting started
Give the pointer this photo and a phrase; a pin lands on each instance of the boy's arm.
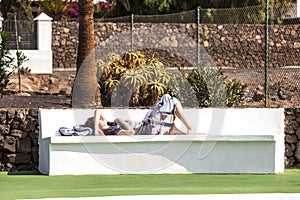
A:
(97, 130)
(128, 129)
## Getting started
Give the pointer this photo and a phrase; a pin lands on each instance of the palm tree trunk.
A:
(83, 94)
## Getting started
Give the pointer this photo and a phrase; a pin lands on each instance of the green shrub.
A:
(10, 7)
(200, 87)
(8, 64)
(211, 88)
(56, 9)
(235, 91)
(6, 60)
(131, 79)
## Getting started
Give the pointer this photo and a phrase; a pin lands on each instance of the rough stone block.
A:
(4, 129)
(9, 144)
(24, 146)
(17, 158)
(18, 133)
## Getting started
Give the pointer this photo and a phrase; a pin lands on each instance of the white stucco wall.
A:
(39, 61)
(236, 141)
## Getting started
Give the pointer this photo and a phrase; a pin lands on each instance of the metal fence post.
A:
(132, 27)
(198, 35)
(266, 52)
(17, 47)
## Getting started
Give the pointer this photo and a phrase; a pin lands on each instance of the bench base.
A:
(161, 154)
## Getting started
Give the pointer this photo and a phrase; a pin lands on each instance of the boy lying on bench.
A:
(159, 121)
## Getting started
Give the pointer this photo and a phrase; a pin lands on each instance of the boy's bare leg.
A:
(179, 114)
(175, 131)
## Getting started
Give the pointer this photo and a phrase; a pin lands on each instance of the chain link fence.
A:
(25, 30)
(256, 45)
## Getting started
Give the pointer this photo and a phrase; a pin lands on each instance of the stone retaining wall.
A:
(229, 45)
(19, 139)
(19, 132)
(292, 137)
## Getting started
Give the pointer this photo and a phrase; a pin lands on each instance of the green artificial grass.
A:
(27, 186)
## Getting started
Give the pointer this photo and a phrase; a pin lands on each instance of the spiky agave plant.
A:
(141, 81)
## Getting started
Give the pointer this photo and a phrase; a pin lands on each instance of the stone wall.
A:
(19, 139)
(64, 44)
(229, 45)
(292, 137)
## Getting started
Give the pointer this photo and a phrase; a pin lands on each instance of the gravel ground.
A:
(35, 101)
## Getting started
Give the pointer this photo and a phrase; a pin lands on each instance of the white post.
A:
(40, 59)
(44, 31)
(1, 20)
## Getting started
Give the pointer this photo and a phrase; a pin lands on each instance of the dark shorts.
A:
(113, 130)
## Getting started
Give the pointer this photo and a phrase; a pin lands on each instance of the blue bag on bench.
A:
(77, 130)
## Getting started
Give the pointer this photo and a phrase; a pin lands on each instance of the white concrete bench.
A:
(249, 140)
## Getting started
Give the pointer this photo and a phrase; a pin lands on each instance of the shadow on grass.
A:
(33, 172)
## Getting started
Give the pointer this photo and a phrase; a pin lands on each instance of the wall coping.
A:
(159, 138)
